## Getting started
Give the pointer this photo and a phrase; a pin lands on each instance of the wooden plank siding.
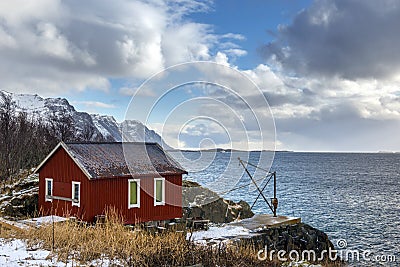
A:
(113, 192)
(101, 193)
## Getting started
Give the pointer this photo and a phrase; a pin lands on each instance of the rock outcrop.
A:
(299, 237)
(202, 202)
(20, 199)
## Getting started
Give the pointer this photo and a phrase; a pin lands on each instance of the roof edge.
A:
(100, 143)
(170, 158)
(65, 147)
(47, 157)
(154, 175)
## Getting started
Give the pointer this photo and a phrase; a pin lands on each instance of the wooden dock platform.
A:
(260, 221)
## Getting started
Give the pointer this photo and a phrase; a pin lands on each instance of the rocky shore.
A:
(201, 202)
(310, 243)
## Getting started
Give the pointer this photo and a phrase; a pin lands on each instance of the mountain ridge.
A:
(103, 127)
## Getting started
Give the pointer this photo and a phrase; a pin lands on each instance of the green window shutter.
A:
(159, 190)
(133, 191)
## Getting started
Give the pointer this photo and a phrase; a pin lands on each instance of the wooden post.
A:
(275, 199)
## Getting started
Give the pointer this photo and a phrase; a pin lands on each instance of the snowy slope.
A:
(105, 126)
(133, 130)
(43, 108)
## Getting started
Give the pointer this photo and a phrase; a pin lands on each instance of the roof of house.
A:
(100, 160)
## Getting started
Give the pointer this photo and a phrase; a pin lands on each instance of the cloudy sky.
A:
(330, 70)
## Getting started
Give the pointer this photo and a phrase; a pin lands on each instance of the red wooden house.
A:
(139, 180)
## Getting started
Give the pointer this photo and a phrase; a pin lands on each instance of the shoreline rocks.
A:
(201, 202)
(298, 237)
(310, 244)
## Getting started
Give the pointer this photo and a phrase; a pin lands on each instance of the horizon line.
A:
(282, 150)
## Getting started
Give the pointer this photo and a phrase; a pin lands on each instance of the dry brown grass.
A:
(115, 243)
(6, 232)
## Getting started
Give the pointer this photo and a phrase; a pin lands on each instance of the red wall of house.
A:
(63, 170)
(113, 192)
(99, 194)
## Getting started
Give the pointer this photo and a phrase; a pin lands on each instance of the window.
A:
(76, 194)
(48, 189)
(133, 193)
(159, 191)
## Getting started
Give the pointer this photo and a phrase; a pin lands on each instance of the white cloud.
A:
(50, 46)
(52, 43)
(221, 58)
(236, 52)
(129, 91)
(18, 12)
(94, 104)
(188, 42)
(234, 36)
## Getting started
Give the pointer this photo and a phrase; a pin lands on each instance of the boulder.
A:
(199, 201)
(300, 237)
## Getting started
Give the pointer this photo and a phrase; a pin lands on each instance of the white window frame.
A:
(47, 197)
(74, 203)
(137, 205)
(162, 202)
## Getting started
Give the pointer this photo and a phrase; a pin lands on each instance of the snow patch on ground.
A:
(15, 253)
(44, 220)
(218, 234)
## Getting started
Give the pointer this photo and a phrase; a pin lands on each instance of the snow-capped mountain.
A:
(107, 126)
(135, 130)
(102, 125)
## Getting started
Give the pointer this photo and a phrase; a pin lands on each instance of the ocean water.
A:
(350, 196)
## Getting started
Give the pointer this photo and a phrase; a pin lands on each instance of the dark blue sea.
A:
(350, 196)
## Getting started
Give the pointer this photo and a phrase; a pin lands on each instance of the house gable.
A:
(63, 146)
(63, 172)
